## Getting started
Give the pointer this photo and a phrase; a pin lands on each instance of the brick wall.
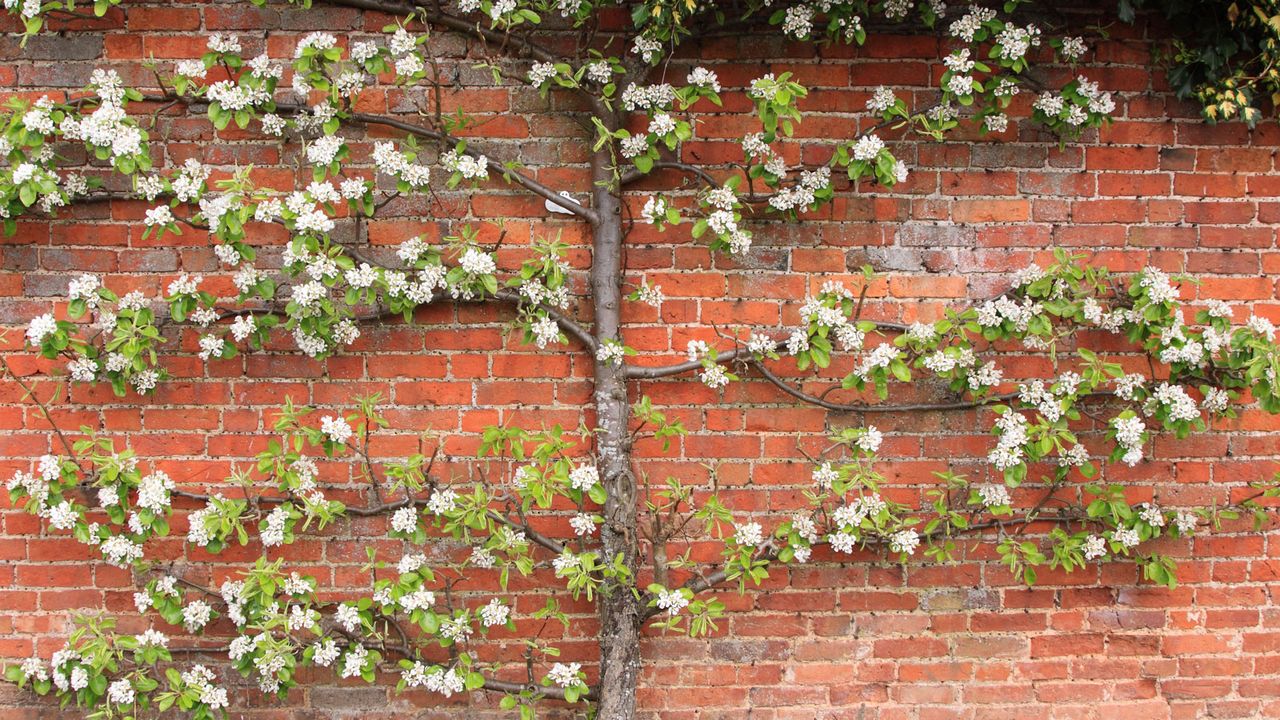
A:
(868, 640)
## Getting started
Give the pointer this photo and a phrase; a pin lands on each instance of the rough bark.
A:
(620, 611)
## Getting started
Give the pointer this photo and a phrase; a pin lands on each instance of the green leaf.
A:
(900, 370)
(597, 494)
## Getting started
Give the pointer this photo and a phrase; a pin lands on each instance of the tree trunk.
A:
(620, 615)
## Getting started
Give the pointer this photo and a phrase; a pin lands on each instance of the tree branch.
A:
(661, 371)
(863, 407)
(549, 543)
(634, 175)
(566, 323)
(700, 583)
(421, 131)
(546, 542)
(524, 181)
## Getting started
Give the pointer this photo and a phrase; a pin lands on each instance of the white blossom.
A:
(1185, 522)
(337, 429)
(33, 669)
(185, 285)
(225, 44)
(634, 145)
(40, 327)
(754, 145)
(611, 352)
(447, 683)
(325, 652)
(904, 541)
(323, 150)
(211, 346)
(546, 331)
(647, 97)
(961, 85)
(584, 477)
(153, 492)
(655, 210)
(1218, 309)
(1049, 103)
(85, 288)
(599, 72)
(714, 376)
(63, 516)
(842, 542)
(83, 369)
(582, 524)
(1262, 326)
(1075, 456)
(1152, 515)
(1012, 428)
(994, 495)
(824, 476)
(120, 551)
(482, 558)
(1015, 41)
(1181, 407)
(1094, 547)
(748, 534)
(673, 601)
(1073, 48)
(1215, 400)
(196, 615)
(540, 73)
(348, 616)
(494, 613)
(647, 48)
(242, 327)
(442, 502)
(881, 100)
(470, 167)
(704, 78)
(996, 122)
(477, 263)
(565, 675)
(798, 21)
(870, 439)
(867, 147)
(353, 661)
(318, 41)
(650, 294)
(1129, 436)
(1126, 537)
(761, 344)
(967, 26)
(273, 535)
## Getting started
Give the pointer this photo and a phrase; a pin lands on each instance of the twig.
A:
(44, 409)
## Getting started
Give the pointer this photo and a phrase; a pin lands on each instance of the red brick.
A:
(858, 635)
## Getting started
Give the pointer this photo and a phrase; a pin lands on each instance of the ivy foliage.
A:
(1224, 55)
